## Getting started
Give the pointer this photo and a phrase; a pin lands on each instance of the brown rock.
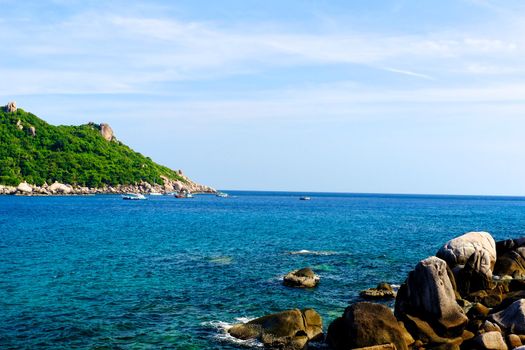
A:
(303, 278)
(290, 329)
(365, 324)
(378, 347)
(514, 341)
(511, 263)
(490, 341)
(382, 291)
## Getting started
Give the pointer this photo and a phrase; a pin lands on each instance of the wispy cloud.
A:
(95, 53)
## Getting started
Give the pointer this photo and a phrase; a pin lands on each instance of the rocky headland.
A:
(469, 296)
(37, 158)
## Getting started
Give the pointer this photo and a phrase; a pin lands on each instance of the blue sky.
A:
(349, 96)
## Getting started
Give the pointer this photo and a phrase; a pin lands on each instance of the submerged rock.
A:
(303, 278)
(366, 324)
(382, 291)
(290, 329)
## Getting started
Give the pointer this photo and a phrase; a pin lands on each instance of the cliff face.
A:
(82, 157)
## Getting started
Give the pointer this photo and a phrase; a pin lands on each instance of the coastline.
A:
(57, 188)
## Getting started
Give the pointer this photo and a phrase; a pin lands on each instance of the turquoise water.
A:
(100, 272)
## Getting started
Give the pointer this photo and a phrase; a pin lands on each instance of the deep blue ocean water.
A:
(97, 272)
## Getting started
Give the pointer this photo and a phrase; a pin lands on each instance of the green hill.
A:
(34, 151)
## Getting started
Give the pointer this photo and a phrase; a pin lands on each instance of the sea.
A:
(98, 272)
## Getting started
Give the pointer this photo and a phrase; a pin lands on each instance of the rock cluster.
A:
(471, 295)
(65, 189)
(290, 329)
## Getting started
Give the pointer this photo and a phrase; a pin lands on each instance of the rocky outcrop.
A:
(32, 131)
(107, 132)
(187, 185)
(303, 278)
(11, 107)
(426, 303)
(290, 329)
(382, 291)
(365, 324)
(19, 125)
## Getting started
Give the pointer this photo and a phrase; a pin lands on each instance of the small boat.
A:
(155, 194)
(304, 198)
(183, 195)
(133, 196)
(222, 195)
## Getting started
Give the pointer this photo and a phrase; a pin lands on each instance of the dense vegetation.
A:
(69, 154)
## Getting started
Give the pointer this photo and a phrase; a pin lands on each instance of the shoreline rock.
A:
(302, 278)
(382, 291)
(25, 189)
(290, 329)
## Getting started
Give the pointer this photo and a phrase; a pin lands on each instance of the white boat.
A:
(183, 194)
(222, 194)
(304, 198)
(155, 194)
(133, 196)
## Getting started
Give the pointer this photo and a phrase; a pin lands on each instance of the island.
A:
(37, 158)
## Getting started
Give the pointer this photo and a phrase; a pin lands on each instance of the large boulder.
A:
(24, 188)
(58, 188)
(457, 251)
(429, 294)
(303, 278)
(11, 107)
(290, 329)
(106, 132)
(366, 324)
(512, 319)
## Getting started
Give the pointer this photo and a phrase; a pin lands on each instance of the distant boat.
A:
(133, 196)
(155, 194)
(222, 194)
(304, 198)
(183, 195)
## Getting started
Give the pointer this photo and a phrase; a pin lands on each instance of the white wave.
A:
(223, 335)
(313, 252)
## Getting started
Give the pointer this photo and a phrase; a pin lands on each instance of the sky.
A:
(401, 96)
